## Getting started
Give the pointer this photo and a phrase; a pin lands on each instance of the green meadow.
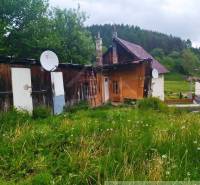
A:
(176, 84)
(90, 146)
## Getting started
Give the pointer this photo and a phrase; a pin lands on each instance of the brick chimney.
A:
(99, 51)
(114, 52)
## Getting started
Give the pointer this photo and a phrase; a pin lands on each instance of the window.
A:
(116, 87)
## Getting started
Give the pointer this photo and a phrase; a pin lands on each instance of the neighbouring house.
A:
(133, 78)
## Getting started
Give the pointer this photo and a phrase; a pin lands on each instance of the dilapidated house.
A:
(123, 72)
(127, 69)
(24, 83)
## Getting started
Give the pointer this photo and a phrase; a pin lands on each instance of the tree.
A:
(158, 52)
(74, 43)
(190, 62)
(28, 27)
(17, 20)
(188, 43)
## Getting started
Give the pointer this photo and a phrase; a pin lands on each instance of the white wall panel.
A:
(22, 88)
(158, 87)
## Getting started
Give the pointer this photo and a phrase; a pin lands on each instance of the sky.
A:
(177, 17)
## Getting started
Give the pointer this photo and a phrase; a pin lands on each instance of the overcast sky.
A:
(177, 17)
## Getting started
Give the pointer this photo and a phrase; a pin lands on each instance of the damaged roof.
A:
(141, 54)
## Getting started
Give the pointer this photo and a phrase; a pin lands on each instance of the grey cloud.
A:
(176, 17)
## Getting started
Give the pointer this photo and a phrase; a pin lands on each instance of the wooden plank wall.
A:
(80, 84)
(131, 82)
(6, 100)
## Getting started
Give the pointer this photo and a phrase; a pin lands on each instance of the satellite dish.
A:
(49, 60)
(155, 73)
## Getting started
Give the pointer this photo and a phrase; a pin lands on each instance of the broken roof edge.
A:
(108, 66)
(28, 62)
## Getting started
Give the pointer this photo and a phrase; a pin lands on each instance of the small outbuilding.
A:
(122, 54)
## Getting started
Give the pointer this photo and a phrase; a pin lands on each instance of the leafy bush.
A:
(12, 118)
(152, 103)
(82, 105)
(129, 101)
(42, 179)
(41, 112)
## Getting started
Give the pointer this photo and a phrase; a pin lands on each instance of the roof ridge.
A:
(131, 43)
(140, 53)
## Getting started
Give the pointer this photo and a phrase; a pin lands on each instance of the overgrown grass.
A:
(93, 145)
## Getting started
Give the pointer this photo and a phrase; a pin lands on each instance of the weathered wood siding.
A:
(6, 100)
(80, 84)
(131, 83)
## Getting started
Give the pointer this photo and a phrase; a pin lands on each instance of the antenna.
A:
(155, 73)
(114, 31)
(49, 60)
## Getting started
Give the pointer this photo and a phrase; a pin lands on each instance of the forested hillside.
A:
(148, 39)
(176, 54)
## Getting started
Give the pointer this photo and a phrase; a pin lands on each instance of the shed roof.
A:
(141, 54)
(30, 62)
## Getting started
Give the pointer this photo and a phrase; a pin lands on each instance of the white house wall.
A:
(197, 88)
(158, 87)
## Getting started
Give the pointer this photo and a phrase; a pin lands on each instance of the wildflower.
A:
(188, 173)
(167, 172)
(147, 125)
(164, 156)
(174, 166)
(195, 142)
(154, 149)
(183, 127)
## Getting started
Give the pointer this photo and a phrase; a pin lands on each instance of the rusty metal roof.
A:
(141, 54)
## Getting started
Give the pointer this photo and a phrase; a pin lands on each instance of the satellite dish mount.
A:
(155, 73)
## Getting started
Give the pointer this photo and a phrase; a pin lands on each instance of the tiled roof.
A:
(141, 54)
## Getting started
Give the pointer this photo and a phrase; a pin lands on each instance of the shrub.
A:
(41, 112)
(128, 101)
(42, 179)
(82, 105)
(12, 118)
(152, 103)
